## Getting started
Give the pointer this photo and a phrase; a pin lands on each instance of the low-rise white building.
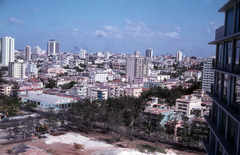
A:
(98, 76)
(47, 101)
(186, 103)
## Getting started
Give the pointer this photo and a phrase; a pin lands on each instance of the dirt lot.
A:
(68, 149)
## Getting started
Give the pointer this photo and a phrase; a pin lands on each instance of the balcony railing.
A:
(219, 33)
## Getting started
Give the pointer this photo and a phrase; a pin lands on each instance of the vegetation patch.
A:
(149, 148)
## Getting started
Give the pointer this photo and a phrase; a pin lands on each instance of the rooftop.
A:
(53, 99)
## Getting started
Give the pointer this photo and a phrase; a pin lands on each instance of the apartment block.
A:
(224, 119)
(17, 69)
(186, 103)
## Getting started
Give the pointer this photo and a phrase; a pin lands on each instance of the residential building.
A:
(31, 68)
(186, 103)
(193, 73)
(106, 55)
(5, 89)
(37, 50)
(79, 89)
(152, 85)
(17, 69)
(208, 75)
(99, 94)
(98, 76)
(137, 54)
(186, 59)
(53, 47)
(224, 119)
(131, 91)
(149, 53)
(7, 50)
(113, 89)
(136, 67)
(27, 53)
(82, 53)
(179, 56)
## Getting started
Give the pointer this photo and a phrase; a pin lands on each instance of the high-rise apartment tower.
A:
(149, 53)
(7, 50)
(224, 118)
(179, 56)
(52, 47)
(27, 53)
(17, 69)
(136, 67)
(208, 75)
(82, 53)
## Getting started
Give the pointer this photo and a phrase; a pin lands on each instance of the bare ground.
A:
(67, 149)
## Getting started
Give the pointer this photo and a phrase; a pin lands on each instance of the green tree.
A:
(51, 83)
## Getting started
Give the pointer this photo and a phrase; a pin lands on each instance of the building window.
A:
(218, 82)
(237, 52)
(215, 112)
(237, 18)
(213, 141)
(219, 148)
(229, 21)
(232, 130)
(229, 53)
(225, 84)
(223, 122)
(219, 54)
(236, 96)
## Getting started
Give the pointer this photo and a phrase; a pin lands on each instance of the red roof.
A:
(144, 89)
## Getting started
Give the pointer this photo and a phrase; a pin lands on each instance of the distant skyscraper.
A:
(136, 54)
(27, 53)
(52, 47)
(17, 69)
(208, 75)
(106, 55)
(7, 50)
(179, 56)
(136, 67)
(149, 53)
(82, 53)
(37, 50)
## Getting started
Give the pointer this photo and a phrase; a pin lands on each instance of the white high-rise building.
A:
(27, 53)
(149, 53)
(7, 49)
(208, 75)
(17, 69)
(52, 47)
(99, 54)
(37, 50)
(106, 55)
(179, 56)
(82, 53)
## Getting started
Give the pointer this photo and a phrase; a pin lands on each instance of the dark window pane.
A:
(223, 122)
(229, 21)
(225, 84)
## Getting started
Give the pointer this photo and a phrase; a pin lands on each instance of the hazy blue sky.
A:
(117, 26)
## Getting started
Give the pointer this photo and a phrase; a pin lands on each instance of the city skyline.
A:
(119, 26)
